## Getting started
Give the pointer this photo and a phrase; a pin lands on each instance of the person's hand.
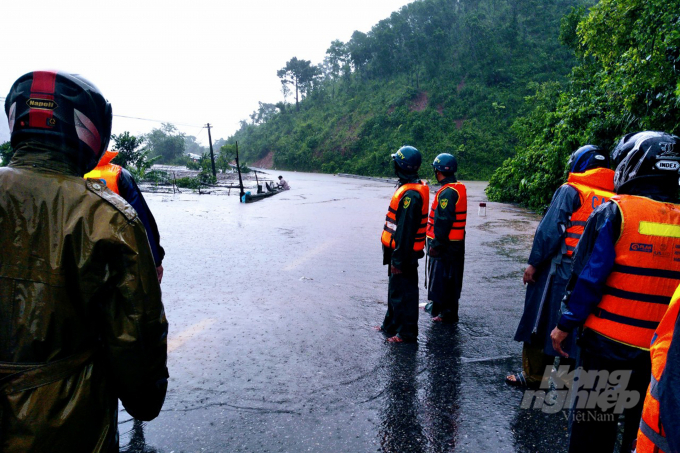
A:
(395, 270)
(558, 336)
(529, 274)
(159, 272)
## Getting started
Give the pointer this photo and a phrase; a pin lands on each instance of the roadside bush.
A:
(205, 177)
(157, 176)
(6, 153)
(188, 182)
(192, 164)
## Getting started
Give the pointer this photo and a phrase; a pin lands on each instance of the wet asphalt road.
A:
(272, 349)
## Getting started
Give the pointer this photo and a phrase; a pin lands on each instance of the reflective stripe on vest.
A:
(391, 219)
(594, 187)
(107, 171)
(457, 232)
(652, 434)
(646, 272)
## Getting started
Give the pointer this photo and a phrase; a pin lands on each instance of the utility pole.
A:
(212, 156)
(238, 168)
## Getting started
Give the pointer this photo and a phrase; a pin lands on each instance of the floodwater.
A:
(272, 349)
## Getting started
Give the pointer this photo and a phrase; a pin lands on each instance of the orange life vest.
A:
(106, 171)
(594, 187)
(457, 232)
(651, 433)
(645, 274)
(391, 218)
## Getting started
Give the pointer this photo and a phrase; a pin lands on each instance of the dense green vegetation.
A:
(441, 75)
(627, 79)
(165, 145)
(6, 154)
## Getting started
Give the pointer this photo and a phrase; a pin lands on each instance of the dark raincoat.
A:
(669, 389)
(401, 318)
(446, 259)
(81, 319)
(548, 256)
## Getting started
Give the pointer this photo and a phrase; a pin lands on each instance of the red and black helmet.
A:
(60, 110)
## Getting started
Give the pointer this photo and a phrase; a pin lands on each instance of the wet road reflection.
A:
(443, 352)
(137, 442)
(400, 430)
(421, 400)
(537, 431)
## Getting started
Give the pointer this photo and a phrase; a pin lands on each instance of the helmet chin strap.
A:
(402, 175)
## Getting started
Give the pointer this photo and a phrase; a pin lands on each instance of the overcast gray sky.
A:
(187, 62)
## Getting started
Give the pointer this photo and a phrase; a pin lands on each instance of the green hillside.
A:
(441, 75)
(627, 79)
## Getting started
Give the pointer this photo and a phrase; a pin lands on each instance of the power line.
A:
(2, 98)
(157, 121)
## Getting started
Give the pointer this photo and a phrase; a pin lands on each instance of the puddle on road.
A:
(514, 275)
(287, 232)
(517, 225)
(513, 246)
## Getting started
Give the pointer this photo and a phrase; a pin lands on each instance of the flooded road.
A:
(272, 349)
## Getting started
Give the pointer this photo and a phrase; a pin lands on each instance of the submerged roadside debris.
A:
(178, 179)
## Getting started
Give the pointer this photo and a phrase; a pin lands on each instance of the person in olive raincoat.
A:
(590, 183)
(403, 241)
(82, 324)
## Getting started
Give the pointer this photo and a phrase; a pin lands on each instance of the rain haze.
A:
(186, 63)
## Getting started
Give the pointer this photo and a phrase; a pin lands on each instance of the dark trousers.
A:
(595, 430)
(401, 318)
(445, 282)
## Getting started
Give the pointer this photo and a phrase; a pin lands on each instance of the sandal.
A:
(519, 381)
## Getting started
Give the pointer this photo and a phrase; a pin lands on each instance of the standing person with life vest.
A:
(446, 241)
(120, 181)
(403, 241)
(590, 183)
(624, 273)
(660, 424)
(82, 324)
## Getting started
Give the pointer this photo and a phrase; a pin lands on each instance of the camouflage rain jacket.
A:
(81, 319)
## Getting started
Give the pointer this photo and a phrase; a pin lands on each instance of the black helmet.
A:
(408, 159)
(627, 143)
(654, 157)
(445, 163)
(60, 110)
(586, 158)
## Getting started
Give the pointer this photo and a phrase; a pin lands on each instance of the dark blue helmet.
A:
(586, 158)
(408, 159)
(445, 163)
